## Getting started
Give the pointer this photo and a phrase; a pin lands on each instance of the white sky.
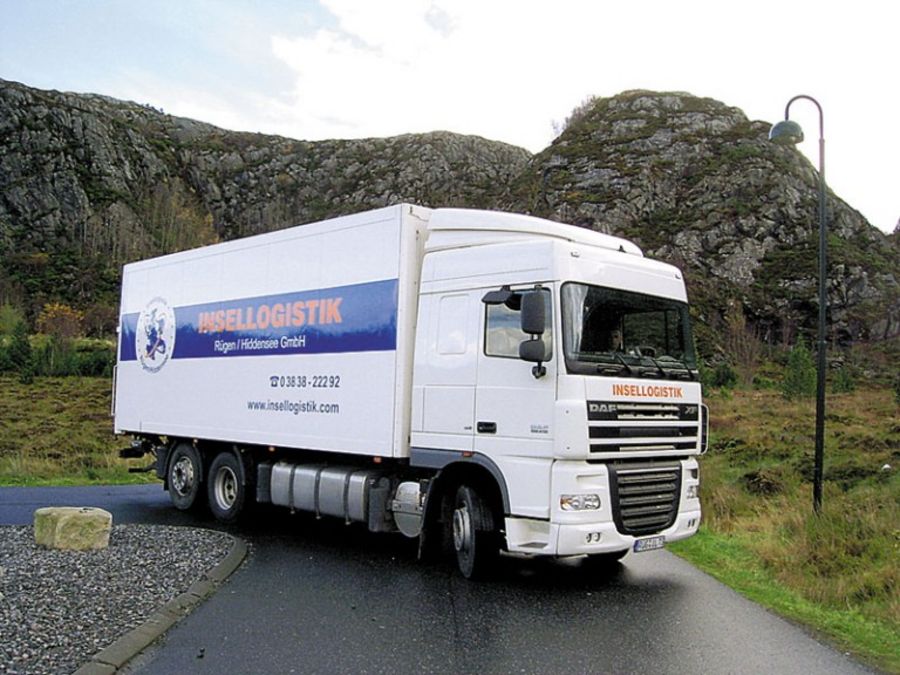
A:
(505, 70)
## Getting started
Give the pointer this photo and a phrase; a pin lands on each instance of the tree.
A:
(20, 355)
(741, 343)
(800, 374)
(60, 321)
(100, 320)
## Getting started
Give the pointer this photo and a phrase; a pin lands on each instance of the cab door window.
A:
(503, 331)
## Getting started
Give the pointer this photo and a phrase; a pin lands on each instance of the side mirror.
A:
(534, 351)
(533, 317)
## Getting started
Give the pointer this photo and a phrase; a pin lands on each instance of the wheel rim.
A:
(183, 476)
(226, 488)
(462, 529)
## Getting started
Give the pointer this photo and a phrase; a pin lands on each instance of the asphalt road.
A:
(319, 597)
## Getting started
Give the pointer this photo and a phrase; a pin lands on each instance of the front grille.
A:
(613, 410)
(645, 496)
(627, 427)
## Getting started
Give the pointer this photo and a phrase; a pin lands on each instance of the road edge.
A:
(115, 656)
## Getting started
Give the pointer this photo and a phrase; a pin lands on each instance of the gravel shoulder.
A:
(59, 608)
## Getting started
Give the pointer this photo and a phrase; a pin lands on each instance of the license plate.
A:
(649, 544)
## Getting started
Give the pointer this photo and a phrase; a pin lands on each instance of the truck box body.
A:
(296, 338)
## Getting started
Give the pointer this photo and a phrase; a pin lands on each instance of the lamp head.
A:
(786, 132)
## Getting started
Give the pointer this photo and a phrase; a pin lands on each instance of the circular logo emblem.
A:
(155, 335)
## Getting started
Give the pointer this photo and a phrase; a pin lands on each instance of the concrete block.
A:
(72, 528)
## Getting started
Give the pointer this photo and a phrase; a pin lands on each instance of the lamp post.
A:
(788, 132)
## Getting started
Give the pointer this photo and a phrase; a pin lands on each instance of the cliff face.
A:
(88, 183)
(696, 183)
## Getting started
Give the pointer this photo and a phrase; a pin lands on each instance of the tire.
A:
(184, 477)
(475, 539)
(225, 488)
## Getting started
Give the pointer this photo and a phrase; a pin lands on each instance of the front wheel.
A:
(474, 534)
(225, 487)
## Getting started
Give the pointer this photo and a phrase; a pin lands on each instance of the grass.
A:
(838, 572)
(58, 431)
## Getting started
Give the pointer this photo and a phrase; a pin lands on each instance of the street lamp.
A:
(789, 132)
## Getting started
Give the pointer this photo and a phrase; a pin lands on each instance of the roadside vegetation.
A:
(839, 571)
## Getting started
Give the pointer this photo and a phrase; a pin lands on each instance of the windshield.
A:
(613, 332)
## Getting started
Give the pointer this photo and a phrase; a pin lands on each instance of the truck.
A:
(485, 382)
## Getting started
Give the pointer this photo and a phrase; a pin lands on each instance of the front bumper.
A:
(627, 499)
(540, 537)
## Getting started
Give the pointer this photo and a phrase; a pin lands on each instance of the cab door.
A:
(514, 403)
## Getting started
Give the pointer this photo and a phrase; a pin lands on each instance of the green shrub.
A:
(843, 381)
(6, 364)
(800, 374)
(19, 349)
(10, 317)
(724, 376)
(94, 360)
(763, 382)
(55, 357)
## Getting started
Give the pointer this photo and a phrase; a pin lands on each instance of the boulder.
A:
(72, 528)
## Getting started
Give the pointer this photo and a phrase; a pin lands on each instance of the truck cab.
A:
(555, 367)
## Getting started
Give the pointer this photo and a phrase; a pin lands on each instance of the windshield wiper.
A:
(619, 358)
(679, 372)
(662, 370)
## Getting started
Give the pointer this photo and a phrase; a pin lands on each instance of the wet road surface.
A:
(319, 597)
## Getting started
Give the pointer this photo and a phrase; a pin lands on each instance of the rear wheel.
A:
(185, 477)
(475, 539)
(225, 488)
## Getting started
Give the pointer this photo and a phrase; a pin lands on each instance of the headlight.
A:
(579, 502)
(693, 492)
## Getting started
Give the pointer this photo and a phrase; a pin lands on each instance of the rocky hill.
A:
(88, 183)
(696, 183)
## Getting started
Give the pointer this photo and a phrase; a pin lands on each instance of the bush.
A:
(60, 358)
(19, 349)
(843, 381)
(763, 382)
(94, 360)
(6, 363)
(10, 317)
(724, 376)
(800, 374)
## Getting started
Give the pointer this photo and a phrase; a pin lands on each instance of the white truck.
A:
(483, 381)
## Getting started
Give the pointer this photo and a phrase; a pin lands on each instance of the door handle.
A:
(487, 427)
